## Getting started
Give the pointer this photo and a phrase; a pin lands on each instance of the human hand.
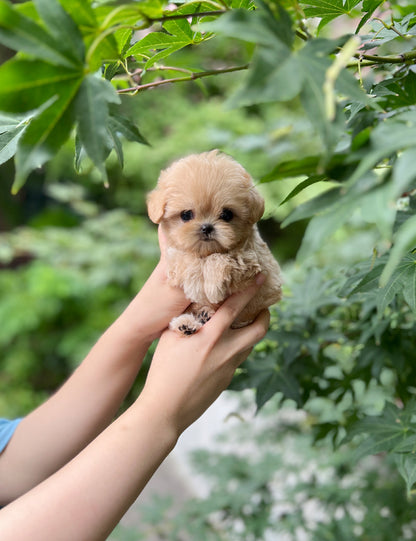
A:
(156, 303)
(188, 373)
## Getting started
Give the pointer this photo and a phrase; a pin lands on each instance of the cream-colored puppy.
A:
(208, 208)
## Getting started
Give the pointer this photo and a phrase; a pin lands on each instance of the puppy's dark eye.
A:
(227, 215)
(187, 215)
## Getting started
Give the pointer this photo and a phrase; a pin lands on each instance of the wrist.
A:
(165, 429)
(131, 335)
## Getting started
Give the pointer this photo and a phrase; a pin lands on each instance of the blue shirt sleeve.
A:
(7, 429)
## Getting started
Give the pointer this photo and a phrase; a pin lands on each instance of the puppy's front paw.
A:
(215, 293)
(186, 324)
(204, 315)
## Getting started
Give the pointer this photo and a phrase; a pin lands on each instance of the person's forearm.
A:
(87, 497)
(57, 430)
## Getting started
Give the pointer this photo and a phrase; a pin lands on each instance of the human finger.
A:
(162, 241)
(241, 341)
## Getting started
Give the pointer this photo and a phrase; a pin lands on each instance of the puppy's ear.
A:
(255, 205)
(156, 205)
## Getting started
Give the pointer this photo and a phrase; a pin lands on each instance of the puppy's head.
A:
(206, 202)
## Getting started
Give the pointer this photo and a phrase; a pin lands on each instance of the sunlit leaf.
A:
(23, 34)
(328, 10)
(166, 44)
(19, 93)
(46, 134)
(62, 28)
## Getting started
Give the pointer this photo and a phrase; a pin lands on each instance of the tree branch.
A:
(191, 77)
(404, 58)
(186, 16)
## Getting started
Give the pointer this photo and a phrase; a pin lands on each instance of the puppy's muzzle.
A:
(207, 231)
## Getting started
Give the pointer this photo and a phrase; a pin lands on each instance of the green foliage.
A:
(320, 104)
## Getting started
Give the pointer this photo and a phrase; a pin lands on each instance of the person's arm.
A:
(87, 497)
(57, 430)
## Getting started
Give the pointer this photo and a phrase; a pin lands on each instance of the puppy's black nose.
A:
(207, 229)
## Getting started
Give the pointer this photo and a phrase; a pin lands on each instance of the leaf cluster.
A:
(54, 83)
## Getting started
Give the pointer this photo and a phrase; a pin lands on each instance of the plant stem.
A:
(191, 77)
(404, 58)
(187, 15)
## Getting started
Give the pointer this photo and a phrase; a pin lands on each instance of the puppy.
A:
(208, 208)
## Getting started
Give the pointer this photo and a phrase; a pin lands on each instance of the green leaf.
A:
(269, 378)
(126, 128)
(311, 166)
(385, 432)
(8, 142)
(81, 12)
(406, 464)
(260, 26)
(179, 28)
(402, 280)
(397, 92)
(327, 10)
(315, 64)
(293, 168)
(324, 225)
(404, 240)
(369, 6)
(157, 41)
(369, 282)
(274, 75)
(302, 186)
(404, 172)
(314, 206)
(278, 381)
(18, 92)
(94, 22)
(387, 138)
(279, 74)
(46, 133)
(12, 128)
(116, 144)
(92, 114)
(62, 28)
(22, 34)
(272, 62)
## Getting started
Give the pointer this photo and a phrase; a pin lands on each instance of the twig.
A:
(187, 15)
(191, 77)
(372, 60)
(404, 58)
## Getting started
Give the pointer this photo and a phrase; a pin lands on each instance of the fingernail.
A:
(260, 279)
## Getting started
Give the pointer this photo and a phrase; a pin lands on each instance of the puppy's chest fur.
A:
(208, 281)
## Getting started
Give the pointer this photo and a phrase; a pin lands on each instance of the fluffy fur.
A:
(208, 208)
